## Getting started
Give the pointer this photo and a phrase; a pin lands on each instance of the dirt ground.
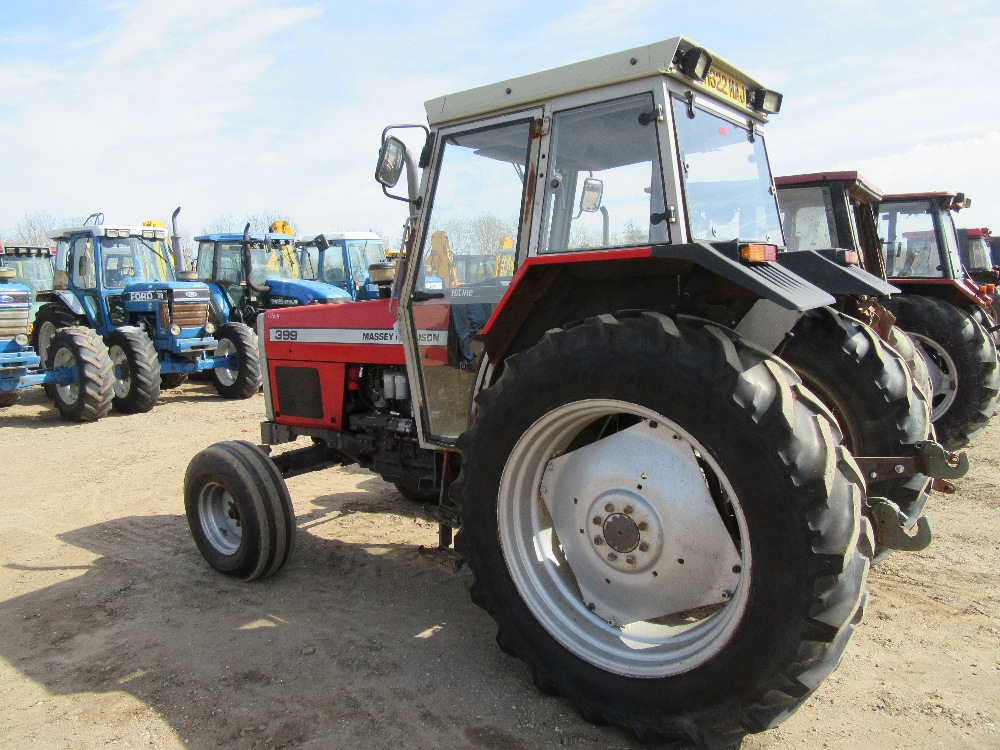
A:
(114, 633)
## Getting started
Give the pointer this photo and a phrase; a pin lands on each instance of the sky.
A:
(245, 106)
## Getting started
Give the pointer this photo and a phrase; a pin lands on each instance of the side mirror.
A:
(390, 162)
(590, 198)
(322, 243)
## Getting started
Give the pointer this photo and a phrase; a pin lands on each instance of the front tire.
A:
(170, 380)
(962, 359)
(137, 370)
(51, 317)
(89, 397)
(245, 380)
(664, 525)
(239, 510)
(9, 398)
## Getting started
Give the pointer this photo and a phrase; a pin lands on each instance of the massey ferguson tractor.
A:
(662, 518)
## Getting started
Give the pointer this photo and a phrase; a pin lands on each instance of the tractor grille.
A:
(190, 314)
(13, 320)
(299, 392)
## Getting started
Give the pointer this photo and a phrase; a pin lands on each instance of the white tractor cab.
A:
(346, 260)
(662, 519)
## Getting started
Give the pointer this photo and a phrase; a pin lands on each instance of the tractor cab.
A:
(255, 271)
(976, 249)
(921, 248)
(345, 260)
(828, 210)
(33, 267)
(652, 160)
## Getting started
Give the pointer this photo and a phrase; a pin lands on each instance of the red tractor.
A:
(943, 308)
(660, 516)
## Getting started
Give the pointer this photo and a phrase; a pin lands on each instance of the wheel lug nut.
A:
(643, 547)
(598, 541)
(643, 525)
(630, 560)
(629, 510)
(609, 508)
(597, 520)
(612, 556)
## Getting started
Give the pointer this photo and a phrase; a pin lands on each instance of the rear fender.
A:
(825, 269)
(693, 279)
(69, 299)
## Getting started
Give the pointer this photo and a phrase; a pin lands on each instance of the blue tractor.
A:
(252, 272)
(120, 282)
(79, 372)
(33, 267)
(345, 259)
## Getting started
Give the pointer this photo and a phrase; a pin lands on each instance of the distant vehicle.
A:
(34, 267)
(256, 271)
(342, 259)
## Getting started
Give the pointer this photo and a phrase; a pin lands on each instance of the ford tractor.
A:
(119, 281)
(78, 372)
(662, 518)
(256, 271)
(945, 310)
(33, 267)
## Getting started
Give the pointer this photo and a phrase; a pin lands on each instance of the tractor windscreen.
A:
(271, 260)
(807, 218)
(362, 253)
(977, 254)
(910, 238)
(33, 271)
(726, 176)
(128, 259)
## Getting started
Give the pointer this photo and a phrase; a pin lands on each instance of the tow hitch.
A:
(890, 522)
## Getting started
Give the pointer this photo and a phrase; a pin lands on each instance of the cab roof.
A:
(946, 200)
(310, 239)
(850, 179)
(110, 230)
(238, 237)
(640, 62)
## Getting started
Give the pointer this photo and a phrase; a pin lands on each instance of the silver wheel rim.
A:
(226, 376)
(220, 518)
(123, 375)
(69, 393)
(45, 333)
(617, 546)
(944, 375)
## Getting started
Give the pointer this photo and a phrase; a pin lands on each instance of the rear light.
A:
(988, 288)
(849, 258)
(757, 253)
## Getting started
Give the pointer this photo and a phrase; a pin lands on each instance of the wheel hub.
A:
(628, 534)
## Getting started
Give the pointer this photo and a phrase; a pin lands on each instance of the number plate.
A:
(727, 86)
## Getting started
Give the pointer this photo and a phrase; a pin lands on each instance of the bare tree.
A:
(259, 222)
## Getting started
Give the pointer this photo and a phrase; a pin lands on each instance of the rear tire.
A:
(962, 359)
(137, 370)
(244, 381)
(415, 494)
(239, 510)
(868, 387)
(605, 430)
(907, 348)
(89, 398)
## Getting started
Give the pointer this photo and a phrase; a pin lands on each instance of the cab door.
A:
(477, 203)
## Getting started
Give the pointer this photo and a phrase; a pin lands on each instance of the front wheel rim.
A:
(623, 559)
(123, 373)
(225, 375)
(221, 522)
(69, 392)
(944, 375)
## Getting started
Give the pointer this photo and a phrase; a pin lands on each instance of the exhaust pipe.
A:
(175, 242)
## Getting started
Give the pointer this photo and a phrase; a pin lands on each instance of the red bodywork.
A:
(336, 341)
